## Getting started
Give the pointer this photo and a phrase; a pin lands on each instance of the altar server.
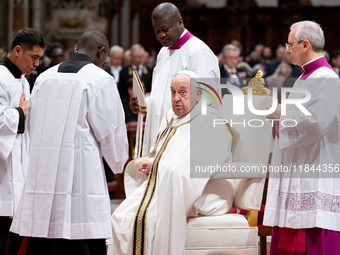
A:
(75, 117)
(26, 49)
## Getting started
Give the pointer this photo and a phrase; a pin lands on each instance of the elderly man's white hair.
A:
(231, 47)
(115, 48)
(311, 31)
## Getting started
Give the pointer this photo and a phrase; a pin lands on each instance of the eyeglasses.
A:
(290, 45)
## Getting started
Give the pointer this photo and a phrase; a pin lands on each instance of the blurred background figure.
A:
(55, 54)
(335, 59)
(327, 56)
(281, 57)
(259, 48)
(228, 71)
(130, 117)
(144, 72)
(152, 58)
(238, 44)
(115, 61)
(127, 58)
(256, 62)
(267, 54)
(3, 52)
(281, 78)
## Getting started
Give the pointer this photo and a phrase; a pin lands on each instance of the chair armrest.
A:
(252, 218)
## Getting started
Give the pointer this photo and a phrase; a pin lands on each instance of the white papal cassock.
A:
(307, 193)
(190, 140)
(190, 54)
(13, 146)
(75, 117)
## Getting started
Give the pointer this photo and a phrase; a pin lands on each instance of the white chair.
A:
(234, 233)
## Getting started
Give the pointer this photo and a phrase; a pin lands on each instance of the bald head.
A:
(165, 10)
(167, 23)
(94, 44)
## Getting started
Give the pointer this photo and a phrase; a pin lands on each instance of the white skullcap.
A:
(189, 73)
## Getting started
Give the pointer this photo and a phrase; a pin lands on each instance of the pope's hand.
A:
(134, 105)
(145, 168)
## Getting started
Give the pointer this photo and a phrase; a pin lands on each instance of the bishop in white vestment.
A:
(303, 199)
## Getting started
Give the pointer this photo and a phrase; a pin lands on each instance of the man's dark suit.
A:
(125, 77)
(241, 75)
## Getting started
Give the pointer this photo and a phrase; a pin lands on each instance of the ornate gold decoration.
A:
(142, 109)
(257, 85)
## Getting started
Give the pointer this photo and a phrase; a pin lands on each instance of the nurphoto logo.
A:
(238, 105)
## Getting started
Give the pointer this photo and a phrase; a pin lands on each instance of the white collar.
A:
(229, 70)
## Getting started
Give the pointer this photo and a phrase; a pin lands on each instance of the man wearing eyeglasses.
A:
(75, 118)
(303, 204)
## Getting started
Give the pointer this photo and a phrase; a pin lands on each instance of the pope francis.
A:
(152, 220)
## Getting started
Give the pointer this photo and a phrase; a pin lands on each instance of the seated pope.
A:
(168, 187)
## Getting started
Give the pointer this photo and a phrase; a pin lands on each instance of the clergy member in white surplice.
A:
(152, 219)
(303, 203)
(27, 48)
(75, 117)
(181, 51)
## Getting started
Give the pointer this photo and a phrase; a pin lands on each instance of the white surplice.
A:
(73, 119)
(307, 198)
(13, 146)
(194, 56)
(197, 143)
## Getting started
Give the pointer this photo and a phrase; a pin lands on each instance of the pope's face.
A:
(183, 96)
(28, 60)
(168, 30)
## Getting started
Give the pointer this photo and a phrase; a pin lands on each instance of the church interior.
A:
(250, 24)
(126, 22)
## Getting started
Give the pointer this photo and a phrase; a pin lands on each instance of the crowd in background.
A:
(236, 64)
